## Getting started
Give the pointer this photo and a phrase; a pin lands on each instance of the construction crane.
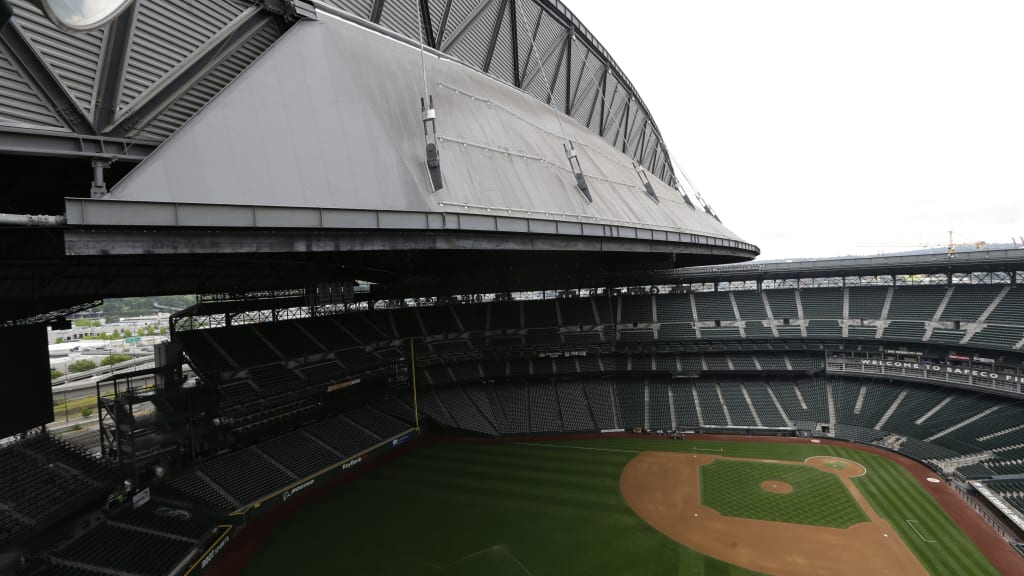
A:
(950, 246)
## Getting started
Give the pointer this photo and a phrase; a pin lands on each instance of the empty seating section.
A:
(877, 398)
(739, 410)
(544, 415)
(915, 404)
(466, 371)
(635, 309)
(201, 351)
(599, 394)
(515, 402)
(665, 362)
(328, 333)
(40, 479)
(195, 486)
(300, 453)
(288, 338)
(676, 332)
(900, 330)
(710, 405)
(961, 407)
(244, 346)
(466, 415)
(382, 425)
(543, 337)
(685, 408)
(742, 362)
(406, 322)
(658, 408)
(968, 302)
(565, 366)
(916, 303)
(246, 475)
(631, 405)
(487, 403)
(750, 305)
(505, 316)
(714, 306)
(824, 329)
(763, 404)
(640, 363)
(440, 319)
(168, 520)
(673, 308)
(716, 362)
(757, 329)
(10, 526)
(822, 302)
(866, 302)
(543, 367)
(322, 372)
(941, 336)
(348, 439)
(996, 336)
(786, 392)
(273, 377)
(783, 304)
(577, 312)
(771, 362)
(130, 551)
(861, 332)
(723, 333)
(575, 412)
(540, 313)
(1010, 309)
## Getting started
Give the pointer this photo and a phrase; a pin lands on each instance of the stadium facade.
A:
(409, 217)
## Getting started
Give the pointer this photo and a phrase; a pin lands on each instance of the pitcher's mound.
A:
(776, 487)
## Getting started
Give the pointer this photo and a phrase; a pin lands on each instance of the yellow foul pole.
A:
(415, 399)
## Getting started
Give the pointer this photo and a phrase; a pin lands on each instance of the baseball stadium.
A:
(455, 314)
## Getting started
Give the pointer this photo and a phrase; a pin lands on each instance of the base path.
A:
(663, 488)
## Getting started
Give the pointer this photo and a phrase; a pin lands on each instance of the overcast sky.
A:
(815, 127)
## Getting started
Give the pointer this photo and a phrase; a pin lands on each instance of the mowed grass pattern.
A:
(492, 509)
(733, 487)
(450, 509)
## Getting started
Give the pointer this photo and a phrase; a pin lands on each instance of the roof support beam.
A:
(51, 87)
(163, 95)
(444, 23)
(67, 145)
(466, 24)
(428, 28)
(116, 41)
(495, 31)
(514, 22)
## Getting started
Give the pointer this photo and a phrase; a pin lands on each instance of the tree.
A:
(60, 340)
(96, 323)
(54, 374)
(81, 366)
(114, 359)
(163, 330)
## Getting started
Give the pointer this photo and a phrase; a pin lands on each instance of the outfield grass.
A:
(451, 509)
(733, 487)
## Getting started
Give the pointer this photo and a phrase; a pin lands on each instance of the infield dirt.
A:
(663, 488)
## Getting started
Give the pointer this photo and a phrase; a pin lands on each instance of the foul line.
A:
(577, 447)
(695, 449)
(912, 525)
